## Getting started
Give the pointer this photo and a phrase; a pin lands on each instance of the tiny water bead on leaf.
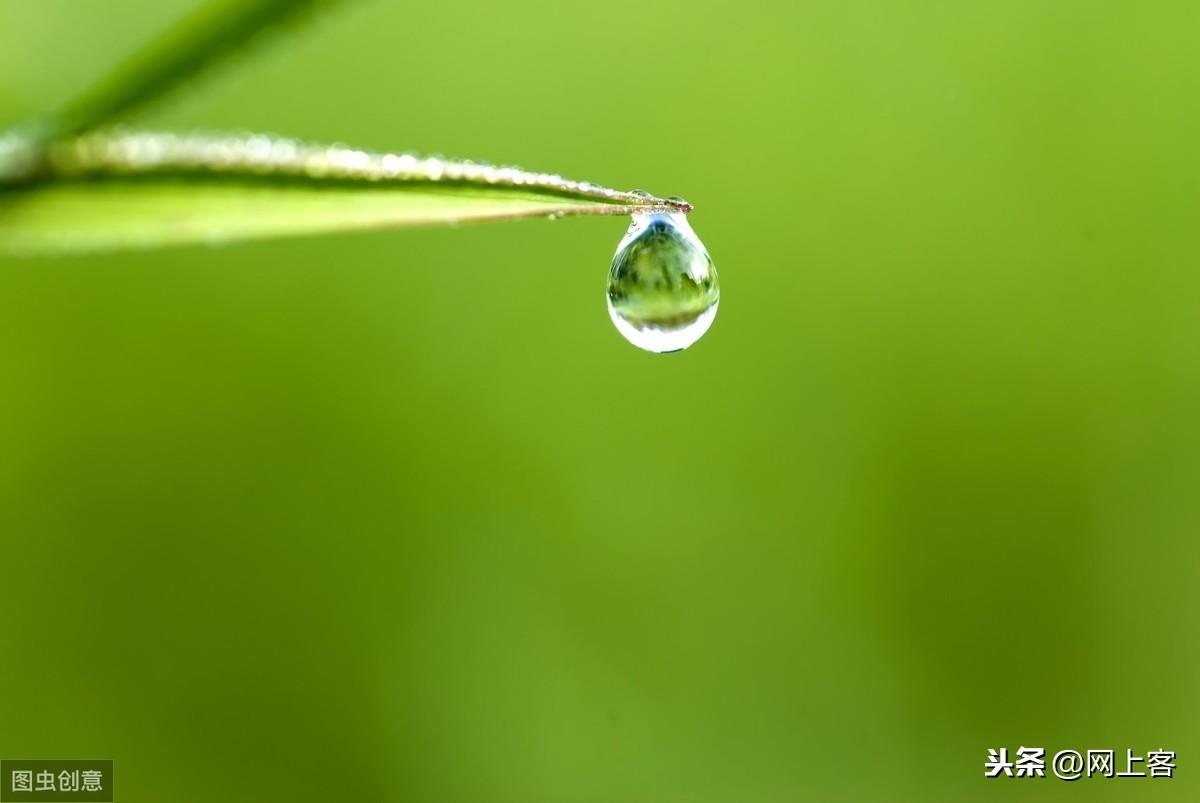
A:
(662, 287)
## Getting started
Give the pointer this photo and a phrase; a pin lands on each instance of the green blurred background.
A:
(400, 516)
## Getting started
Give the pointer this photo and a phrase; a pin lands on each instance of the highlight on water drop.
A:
(662, 287)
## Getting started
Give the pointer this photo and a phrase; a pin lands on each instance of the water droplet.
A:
(662, 287)
(641, 193)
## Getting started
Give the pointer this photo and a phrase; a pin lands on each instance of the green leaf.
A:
(66, 188)
(147, 190)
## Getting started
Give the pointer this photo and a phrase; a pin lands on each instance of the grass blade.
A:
(146, 190)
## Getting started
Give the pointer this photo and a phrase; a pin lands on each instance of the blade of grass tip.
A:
(216, 29)
(261, 159)
(115, 191)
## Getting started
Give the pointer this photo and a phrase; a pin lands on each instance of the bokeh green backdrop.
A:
(399, 516)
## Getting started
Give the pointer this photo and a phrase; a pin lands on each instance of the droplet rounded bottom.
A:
(664, 339)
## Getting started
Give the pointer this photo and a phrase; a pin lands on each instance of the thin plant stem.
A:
(193, 44)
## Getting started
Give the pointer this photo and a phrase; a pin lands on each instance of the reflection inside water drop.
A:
(662, 287)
